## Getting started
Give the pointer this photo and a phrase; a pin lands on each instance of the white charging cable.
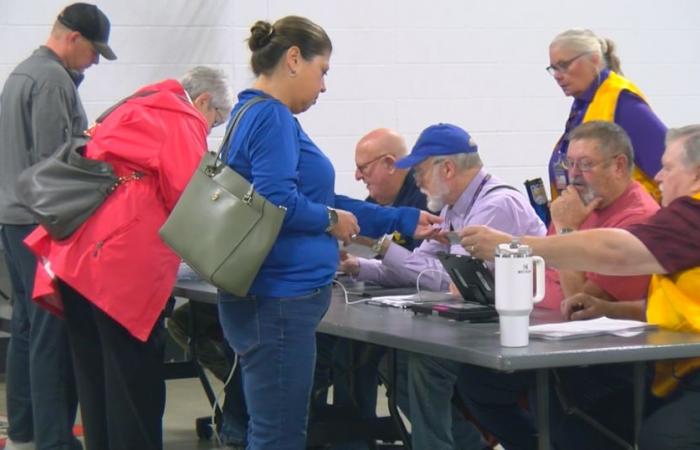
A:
(217, 402)
(420, 274)
(345, 293)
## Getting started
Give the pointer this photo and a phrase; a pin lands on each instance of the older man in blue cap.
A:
(448, 169)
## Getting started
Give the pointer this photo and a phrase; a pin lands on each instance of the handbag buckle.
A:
(248, 197)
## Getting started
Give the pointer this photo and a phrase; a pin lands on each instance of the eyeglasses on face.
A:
(219, 118)
(419, 172)
(583, 164)
(363, 167)
(563, 66)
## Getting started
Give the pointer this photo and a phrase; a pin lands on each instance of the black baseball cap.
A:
(91, 23)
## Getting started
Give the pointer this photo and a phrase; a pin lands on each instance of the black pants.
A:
(603, 392)
(120, 380)
(673, 423)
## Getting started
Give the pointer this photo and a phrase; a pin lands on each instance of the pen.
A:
(579, 306)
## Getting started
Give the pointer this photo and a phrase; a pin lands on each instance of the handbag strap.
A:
(111, 109)
(233, 124)
(91, 129)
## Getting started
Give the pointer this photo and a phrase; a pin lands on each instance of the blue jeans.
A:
(234, 414)
(41, 395)
(435, 423)
(275, 339)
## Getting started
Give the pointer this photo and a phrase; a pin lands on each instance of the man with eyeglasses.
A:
(448, 169)
(388, 185)
(39, 110)
(666, 246)
(602, 194)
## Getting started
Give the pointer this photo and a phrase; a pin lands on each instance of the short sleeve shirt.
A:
(671, 234)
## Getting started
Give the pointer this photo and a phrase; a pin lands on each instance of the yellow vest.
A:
(674, 304)
(603, 106)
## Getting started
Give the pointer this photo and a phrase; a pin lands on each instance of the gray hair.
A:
(691, 144)
(201, 79)
(465, 161)
(611, 138)
(586, 41)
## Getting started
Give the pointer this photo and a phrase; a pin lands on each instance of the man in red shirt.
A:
(666, 245)
(602, 194)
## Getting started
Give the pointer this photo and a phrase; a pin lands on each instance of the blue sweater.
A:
(272, 151)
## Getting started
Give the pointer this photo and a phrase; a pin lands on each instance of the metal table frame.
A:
(479, 344)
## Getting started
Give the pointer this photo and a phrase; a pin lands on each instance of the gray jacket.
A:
(39, 109)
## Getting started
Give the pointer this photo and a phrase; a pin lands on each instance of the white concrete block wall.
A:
(399, 63)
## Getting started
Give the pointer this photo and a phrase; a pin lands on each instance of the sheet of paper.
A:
(404, 301)
(593, 327)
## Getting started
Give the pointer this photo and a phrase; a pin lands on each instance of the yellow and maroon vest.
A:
(674, 304)
(603, 107)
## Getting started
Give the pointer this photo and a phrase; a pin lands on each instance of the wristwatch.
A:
(379, 243)
(332, 219)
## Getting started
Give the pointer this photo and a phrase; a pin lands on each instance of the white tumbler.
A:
(514, 291)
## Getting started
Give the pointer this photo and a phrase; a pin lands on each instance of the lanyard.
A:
(474, 197)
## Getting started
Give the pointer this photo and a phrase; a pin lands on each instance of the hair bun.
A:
(260, 35)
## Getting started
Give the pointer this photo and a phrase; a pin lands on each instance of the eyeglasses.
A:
(363, 167)
(563, 66)
(219, 118)
(583, 164)
(418, 173)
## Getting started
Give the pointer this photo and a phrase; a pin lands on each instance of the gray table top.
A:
(479, 343)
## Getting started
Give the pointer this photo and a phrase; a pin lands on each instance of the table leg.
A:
(204, 380)
(639, 395)
(542, 409)
(392, 394)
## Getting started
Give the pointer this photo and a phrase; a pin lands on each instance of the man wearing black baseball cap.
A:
(39, 110)
(91, 23)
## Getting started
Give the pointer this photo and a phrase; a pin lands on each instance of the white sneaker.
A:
(11, 445)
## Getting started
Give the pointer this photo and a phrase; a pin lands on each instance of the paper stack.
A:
(593, 327)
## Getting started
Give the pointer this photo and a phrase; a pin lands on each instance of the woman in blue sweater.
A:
(272, 329)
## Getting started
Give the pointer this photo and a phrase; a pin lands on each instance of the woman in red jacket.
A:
(114, 274)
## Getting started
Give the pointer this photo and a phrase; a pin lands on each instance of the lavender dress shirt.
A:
(503, 209)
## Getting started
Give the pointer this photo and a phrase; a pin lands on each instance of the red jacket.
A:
(116, 258)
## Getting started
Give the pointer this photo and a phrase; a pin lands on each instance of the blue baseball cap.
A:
(440, 139)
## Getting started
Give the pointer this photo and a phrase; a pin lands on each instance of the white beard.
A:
(435, 204)
(436, 201)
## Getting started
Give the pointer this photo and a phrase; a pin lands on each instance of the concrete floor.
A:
(185, 402)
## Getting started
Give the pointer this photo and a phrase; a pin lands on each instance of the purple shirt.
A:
(503, 209)
(633, 114)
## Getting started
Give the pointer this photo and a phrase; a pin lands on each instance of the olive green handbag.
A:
(220, 226)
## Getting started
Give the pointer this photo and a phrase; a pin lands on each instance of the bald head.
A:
(375, 155)
(382, 141)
